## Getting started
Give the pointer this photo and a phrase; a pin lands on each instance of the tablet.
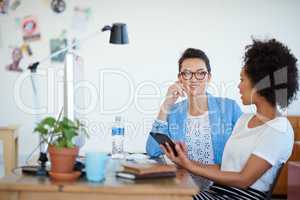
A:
(162, 139)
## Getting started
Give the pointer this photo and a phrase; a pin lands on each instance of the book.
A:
(148, 168)
(128, 175)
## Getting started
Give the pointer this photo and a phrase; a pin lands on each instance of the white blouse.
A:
(199, 144)
(272, 141)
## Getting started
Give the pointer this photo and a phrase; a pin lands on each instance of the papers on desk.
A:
(137, 156)
(140, 158)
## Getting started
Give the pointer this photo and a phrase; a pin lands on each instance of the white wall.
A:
(159, 31)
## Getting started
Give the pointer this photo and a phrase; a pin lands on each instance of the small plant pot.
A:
(62, 159)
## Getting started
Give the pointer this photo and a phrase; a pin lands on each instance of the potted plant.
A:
(59, 135)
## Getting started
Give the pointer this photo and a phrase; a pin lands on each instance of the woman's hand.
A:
(174, 91)
(182, 159)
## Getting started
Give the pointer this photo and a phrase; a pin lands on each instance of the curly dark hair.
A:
(272, 70)
(194, 53)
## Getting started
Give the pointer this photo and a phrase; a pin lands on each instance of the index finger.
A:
(180, 88)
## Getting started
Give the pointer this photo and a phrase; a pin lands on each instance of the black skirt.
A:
(221, 192)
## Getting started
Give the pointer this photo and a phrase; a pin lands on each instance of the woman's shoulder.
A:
(280, 124)
(279, 132)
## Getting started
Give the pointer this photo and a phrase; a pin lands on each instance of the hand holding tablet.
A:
(163, 139)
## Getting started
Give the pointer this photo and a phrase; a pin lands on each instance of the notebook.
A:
(128, 175)
(146, 170)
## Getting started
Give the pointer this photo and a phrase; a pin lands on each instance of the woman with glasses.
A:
(202, 121)
(261, 141)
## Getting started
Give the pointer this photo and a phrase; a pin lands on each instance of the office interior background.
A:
(131, 80)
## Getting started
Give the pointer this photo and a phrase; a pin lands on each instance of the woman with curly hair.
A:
(260, 142)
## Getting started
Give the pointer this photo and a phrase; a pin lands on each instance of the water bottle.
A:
(117, 138)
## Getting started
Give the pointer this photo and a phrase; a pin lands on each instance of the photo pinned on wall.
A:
(80, 19)
(56, 45)
(30, 28)
(58, 6)
(4, 5)
(26, 49)
(16, 57)
(15, 5)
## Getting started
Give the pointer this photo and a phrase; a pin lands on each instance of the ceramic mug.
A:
(95, 166)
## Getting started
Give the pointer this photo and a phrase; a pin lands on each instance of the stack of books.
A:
(145, 171)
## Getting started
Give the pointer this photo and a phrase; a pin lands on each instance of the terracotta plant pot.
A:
(62, 159)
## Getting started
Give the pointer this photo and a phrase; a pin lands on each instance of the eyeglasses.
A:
(188, 75)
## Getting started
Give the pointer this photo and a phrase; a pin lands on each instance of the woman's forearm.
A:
(163, 112)
(213, 172)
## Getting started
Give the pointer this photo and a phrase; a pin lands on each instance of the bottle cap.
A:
(118, 119)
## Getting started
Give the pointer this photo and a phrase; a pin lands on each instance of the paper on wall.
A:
(31, 29)
(57, 44)
(16, 57)
(15, 4)
(80, 19)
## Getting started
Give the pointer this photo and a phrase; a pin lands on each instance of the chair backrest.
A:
(269, 194)
(281, 185)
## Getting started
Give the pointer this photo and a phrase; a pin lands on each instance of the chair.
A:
(280, 189)
(269, 193)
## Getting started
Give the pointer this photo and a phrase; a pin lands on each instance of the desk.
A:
(22, 187)
(293, 180)
(9, 136)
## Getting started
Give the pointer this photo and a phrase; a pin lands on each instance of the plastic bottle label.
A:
(117, 131)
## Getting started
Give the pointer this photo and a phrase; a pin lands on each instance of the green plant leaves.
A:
(60, 133)
(49, 121)
(45, 125)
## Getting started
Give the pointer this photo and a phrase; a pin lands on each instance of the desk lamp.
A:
(118, 35)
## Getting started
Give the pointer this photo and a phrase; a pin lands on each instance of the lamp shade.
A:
(118, 34)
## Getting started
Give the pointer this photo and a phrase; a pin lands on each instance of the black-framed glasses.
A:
(188, 75)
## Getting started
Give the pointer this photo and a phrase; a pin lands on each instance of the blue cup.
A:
(95, 166)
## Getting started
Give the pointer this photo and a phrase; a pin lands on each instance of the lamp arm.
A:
(36, 105)
(83, 40)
